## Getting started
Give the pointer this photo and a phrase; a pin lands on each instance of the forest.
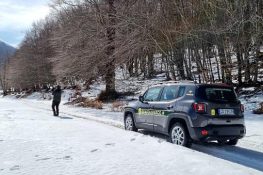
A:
(207, 41)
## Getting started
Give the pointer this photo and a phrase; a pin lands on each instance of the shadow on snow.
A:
(243, 156)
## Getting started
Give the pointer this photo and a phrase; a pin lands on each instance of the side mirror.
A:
(141, 99)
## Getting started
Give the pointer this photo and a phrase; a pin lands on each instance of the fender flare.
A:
(186, 118)
(130, 110)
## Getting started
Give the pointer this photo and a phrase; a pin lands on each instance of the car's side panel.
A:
(140, 121)
(144, 119)
(162, 110)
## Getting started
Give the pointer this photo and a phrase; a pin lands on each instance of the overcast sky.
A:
(16, 17)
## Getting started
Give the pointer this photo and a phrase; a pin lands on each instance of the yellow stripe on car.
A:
(151, 112)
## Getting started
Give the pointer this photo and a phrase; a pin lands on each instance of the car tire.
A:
(232, 142)
(179, 135)
(129, 123)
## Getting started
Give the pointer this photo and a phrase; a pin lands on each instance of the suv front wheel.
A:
(179, 135)
(129, 123)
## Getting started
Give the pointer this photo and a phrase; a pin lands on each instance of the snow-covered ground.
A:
(252, 99)
(88, 141)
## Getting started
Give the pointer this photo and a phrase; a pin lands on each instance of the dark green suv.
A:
(188, 112)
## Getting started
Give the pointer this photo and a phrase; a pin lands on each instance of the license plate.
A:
(226, 112)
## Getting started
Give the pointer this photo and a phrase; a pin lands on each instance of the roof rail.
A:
(221, 84)
(188, 81)
(174, 81)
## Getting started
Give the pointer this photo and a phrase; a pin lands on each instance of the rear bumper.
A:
(217, 132)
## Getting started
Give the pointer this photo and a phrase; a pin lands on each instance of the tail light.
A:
(199, 107)
(204, 132)
(242, 108)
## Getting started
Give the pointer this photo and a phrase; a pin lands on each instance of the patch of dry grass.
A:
(117, 106)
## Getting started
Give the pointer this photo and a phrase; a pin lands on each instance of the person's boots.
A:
(57, 109)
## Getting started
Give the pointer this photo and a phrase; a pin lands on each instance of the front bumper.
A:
(220, 132)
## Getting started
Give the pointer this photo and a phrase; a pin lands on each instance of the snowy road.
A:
(32, 142)
(242, 156)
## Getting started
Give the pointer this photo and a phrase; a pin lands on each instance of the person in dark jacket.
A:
(56, 100)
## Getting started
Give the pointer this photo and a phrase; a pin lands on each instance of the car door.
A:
(164, 107)
(144, 117)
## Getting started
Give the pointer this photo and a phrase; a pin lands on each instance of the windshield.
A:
(217, 94)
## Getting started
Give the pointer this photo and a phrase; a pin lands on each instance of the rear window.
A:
(217, 94)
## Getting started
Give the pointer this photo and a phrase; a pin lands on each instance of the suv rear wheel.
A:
(179, 135)
(129, 123)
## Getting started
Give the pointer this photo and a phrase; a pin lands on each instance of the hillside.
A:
(5, 50)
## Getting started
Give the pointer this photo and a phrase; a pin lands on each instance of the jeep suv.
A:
(188, 112)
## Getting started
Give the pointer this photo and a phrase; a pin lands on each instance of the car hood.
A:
(134, 105)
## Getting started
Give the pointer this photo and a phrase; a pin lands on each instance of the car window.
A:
(169, 93)
(217, 94)
(152, 94)
(181, 91)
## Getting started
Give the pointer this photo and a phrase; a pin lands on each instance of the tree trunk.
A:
(247, 67)
(217, 65)
(111, 32)
(247, 37)
(143, 67)
(180, 62)
(210, 64)
(239, 66)
(166, 63)
(130, 67)
(188, 67)
(136, 67)
(221, 53)
(172, 70)
(150, 65)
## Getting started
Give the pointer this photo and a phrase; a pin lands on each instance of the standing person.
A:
(56, 100)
